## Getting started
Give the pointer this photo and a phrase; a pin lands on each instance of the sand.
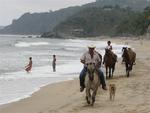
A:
(132, 94)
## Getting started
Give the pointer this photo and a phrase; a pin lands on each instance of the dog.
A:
(112, 91)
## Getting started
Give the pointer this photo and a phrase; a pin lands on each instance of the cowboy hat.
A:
(91, 46)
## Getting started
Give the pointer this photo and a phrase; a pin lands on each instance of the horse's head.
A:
(124, 50)
(91, 68)
(125, 54)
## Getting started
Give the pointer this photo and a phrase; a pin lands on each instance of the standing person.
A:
(54, 63)
(29, 66)
(91, 56)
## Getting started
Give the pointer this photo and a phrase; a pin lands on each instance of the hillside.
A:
(1, 27)
(136, 24)
(134, 4)
(38, 23)
(94, 21)
(110, 21)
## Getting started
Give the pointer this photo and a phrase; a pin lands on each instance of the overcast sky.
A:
(13, 9)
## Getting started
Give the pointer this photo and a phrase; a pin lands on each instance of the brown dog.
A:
(112, 91)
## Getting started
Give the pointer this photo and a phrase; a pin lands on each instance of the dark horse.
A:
(110, 60)
(129, 57)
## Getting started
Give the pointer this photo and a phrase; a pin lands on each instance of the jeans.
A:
(83, 74)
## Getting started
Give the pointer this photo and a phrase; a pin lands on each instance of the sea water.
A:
(16, 84)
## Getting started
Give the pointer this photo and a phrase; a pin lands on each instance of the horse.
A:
(129, 57)
(92, 82)
(110, 60)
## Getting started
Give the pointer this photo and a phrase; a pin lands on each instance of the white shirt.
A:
(109, 47)
(87, 58)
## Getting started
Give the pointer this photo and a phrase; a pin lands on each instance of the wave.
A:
(28, 44)
(19, 85)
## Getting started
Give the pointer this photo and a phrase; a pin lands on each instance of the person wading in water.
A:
(54, 63)
(29, 66)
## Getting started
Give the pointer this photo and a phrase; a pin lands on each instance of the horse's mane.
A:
(109, 54)
(91, 70)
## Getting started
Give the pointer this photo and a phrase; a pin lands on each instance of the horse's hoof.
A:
(81, 89)
(88, 102)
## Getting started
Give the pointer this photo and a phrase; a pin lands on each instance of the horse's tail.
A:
(134, 56)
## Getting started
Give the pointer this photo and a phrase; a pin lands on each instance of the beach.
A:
(132, 94)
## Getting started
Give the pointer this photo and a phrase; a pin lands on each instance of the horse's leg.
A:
(112, 72)
(106, 71)
(109, 72)
(131, 65)
(113, 69)
(94, 95)
(88, 95)
(127, 70)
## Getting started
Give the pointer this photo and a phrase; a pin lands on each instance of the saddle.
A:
(114, 56)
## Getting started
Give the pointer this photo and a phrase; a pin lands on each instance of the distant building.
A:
(77, 31)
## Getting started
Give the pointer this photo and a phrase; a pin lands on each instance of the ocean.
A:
(15, 50)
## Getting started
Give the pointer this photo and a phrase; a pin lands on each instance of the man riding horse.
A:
(91, 56)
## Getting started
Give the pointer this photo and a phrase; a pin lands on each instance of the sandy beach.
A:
(132, 94)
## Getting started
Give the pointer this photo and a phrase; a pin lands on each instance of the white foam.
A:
(18, 96)
(28, 44)
(19, 85)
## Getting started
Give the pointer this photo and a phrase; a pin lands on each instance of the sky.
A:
(13, 9)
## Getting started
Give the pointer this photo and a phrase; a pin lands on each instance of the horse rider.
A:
(109, 47)
(91, 56)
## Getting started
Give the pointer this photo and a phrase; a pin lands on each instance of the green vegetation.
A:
(94, 21)
(136, 24)
(110, 21)
(137, 5)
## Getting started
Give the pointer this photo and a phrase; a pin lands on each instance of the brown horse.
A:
(129, 57)
(110, 60)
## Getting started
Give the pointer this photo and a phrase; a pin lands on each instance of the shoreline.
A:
(34, 91)
(64, 97)
(36, 94)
